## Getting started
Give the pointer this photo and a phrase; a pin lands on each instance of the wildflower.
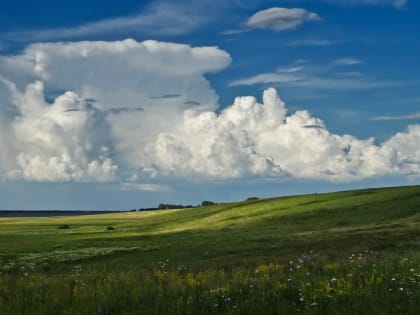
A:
(302, 299)
(401, 289)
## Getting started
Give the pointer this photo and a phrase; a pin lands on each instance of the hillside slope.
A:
(372, 218)
(354, 252)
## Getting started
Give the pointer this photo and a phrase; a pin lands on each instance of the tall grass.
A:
(363, 283)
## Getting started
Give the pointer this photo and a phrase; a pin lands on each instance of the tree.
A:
(206, 203)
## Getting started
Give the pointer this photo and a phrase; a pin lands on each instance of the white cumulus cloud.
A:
(128, 110)
(49, 145)
(69, 107)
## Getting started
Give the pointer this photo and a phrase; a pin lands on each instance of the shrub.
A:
(110, 228)
(64, 226)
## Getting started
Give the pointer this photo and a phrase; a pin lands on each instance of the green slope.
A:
(372, 218)
(354, 252)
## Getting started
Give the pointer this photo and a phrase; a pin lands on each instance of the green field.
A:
(355, 252)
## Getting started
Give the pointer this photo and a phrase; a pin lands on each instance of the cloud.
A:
(314, 42)
(144, 187)
(159, 18)
(396, 3)
(50, 146)
(302, 74)
(346, 62)
(280, 19)
(350, 74)
(236, 31)
(72, 138)
(413, 116)
(253, 139)
(311, 81)
(291, 69)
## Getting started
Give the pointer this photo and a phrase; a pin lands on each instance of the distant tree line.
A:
(167, 206)
(164, 206)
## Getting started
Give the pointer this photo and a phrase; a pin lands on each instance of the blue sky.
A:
(91, 120)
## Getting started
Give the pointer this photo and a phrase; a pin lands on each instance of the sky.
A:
(124, 105)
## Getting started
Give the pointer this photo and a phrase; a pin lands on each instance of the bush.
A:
(110, 228)
(64, 226)
(252, 198)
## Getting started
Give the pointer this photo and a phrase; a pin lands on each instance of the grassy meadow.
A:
(355, 252)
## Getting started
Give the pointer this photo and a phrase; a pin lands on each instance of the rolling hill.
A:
(190, 258)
